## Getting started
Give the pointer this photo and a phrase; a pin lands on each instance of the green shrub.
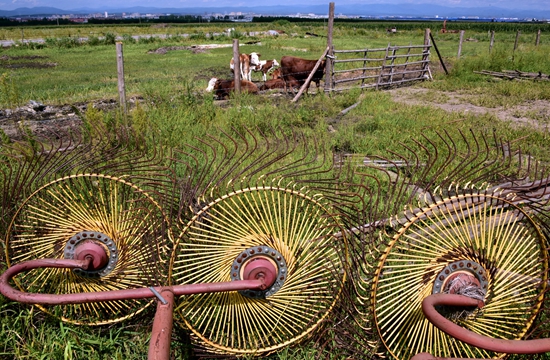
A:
(109, 39)
(128, 39)
(9, 93)
(93, 41)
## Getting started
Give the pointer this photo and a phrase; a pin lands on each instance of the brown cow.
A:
(296, 70)
(247, 62)
(273, 84)
(222, 88)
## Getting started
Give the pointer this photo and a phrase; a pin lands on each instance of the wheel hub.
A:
(260, 260)
(468, 270)
(95, 245)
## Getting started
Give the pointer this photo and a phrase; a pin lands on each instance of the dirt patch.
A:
(195, 49)
(44, 120)
(28, 65)
(15, 62)
(535, 114)
(24, 57)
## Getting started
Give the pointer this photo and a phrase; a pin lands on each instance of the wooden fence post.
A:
(329, 64)
(515, 45)
(460, 43)
(517, 40)
(236, 66)
(537, 41)
(120, 73)
(492, 40)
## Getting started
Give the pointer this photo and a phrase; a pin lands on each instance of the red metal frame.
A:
(258, 274)
(261, 275)
(535, 346)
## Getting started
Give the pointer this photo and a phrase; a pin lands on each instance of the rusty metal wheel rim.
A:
(299, 227)
(96, 204)
(482, 228)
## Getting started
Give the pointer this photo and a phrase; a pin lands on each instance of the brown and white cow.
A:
(296, 70)
(222, 88)
(265, 66)
(246, 62)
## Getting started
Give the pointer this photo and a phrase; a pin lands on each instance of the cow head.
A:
(275, 63)
(211, 84)
(276, 74)
(254, 58)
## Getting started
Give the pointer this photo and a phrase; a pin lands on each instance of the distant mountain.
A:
(418, 10)
(36, 11)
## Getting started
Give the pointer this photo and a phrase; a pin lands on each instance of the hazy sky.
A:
(99, 4)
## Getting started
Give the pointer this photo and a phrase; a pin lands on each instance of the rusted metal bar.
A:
(358, 51)
(161, 334)
(358, 59)
(438, 54)
(141, 293)
(357, 69)
(535, 346)
(381, 49)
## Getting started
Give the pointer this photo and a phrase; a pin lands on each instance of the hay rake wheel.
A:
(64, 216)
(285, 250)
(479, 236)
(400, 269)
(288, 226)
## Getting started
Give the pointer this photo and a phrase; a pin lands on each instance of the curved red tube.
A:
(535, 346)
(141, 293)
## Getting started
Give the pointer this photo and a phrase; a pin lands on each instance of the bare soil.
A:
(535, 114)
(45, 120)
(27, 61)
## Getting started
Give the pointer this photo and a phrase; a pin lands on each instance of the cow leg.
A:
(291, 82)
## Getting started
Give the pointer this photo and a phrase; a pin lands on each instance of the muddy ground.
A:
(43, 120)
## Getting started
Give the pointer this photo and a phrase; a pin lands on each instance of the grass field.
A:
(173, 106)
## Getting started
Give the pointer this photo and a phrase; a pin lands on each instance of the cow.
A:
(273, 84)
(296, 70)
(276, 74)
(222, 88)
(247, 62)
(265, 66)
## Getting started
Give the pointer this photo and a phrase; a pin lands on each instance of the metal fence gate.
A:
(375, 68)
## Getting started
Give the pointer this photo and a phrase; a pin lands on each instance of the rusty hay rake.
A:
(257, 241)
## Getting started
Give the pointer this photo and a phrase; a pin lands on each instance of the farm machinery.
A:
(259, 242)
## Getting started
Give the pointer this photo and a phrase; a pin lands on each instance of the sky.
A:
(105, 4)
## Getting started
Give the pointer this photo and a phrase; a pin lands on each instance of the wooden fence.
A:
(376, 68)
